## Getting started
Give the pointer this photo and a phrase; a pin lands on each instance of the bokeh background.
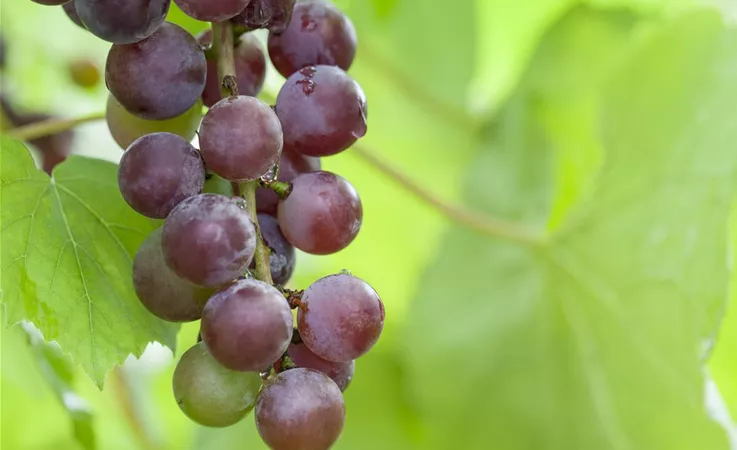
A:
(500, 106)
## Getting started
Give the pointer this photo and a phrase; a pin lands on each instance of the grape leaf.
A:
(593, 339)
(67, 246)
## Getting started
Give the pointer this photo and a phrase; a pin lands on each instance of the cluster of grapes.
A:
(199, 264)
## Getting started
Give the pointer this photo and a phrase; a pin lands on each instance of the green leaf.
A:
(59, 374)
(190, 24)
(593, 339)
(67, 246)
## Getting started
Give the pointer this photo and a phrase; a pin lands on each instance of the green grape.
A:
(217, 185)
(126, 128)
(210, 394)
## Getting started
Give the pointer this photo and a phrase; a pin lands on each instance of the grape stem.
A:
(131, 409)
(51, 126)
(281, 188)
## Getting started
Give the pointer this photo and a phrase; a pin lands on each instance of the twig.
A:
(131, 409)
(477, 221)
(51, 126)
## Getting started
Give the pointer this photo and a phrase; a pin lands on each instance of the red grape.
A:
(209, 240)
(300, 409)
(71, 12)
(319, 33)
(340, 317)
(340, 372)
(122, 21)
(272, 14)
(281, 254)
(212, 10)
(159, 77)
(161, 292)
(322, 111)
(247, 326)
(158, 171)
(240, 138)
(322, 214)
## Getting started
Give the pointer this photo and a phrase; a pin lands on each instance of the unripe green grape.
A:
(211, 394)
(126, 128)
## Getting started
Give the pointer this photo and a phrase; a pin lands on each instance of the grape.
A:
(158, 171)
(322, 111)
(164, 294)
(281, 256)
(211, 394)
(160, 77)
(122, 21)
(50, 2)
(300, 409)
(84, 73)
(212, 10)
(340, 317)
(247, 326)
(240, 138)
(322, 214)
(126, 128)
(340, 372)
(319, 33)
(208, 239)
(217, 185)
(250, 68)
(272, 14)
(291, 164)
(71, 11)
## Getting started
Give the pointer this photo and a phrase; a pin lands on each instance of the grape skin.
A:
(71, 12)
(164, 294)
(281, 255)
(212, 11)
(322, 111)
(319, 33)
(50, 2)
(250, 68)
(208, 240)
(272, 14)
(240, 138)
(211, 394)
(340, 317)
(341, 373)
(160, 77)
(291, 164)
(322, 214)
(125, 127)
(157, 172)
(122, 21)
(300, 409)
(247, 326)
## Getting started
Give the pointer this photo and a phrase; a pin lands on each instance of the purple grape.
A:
(159, 77)
(300, 409)
(340, 372)
(322, 214)
(340, 317)
(209, 240)
(272, 14)
(122, 21)
(71, 12)
(158, 171)
(250, 68)
(247, 326)
(281, 255)
(319, 33)
(50, 2)
(322, 111)
(125, 127)
(291, 164)
(164, 294)
(212, 10)
(240, 138)
(211, 394)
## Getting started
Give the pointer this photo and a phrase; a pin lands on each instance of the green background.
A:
(608, 127)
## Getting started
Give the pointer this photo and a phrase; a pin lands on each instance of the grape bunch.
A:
(236, 208)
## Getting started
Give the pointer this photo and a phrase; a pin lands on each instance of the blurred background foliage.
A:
(619, 114)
